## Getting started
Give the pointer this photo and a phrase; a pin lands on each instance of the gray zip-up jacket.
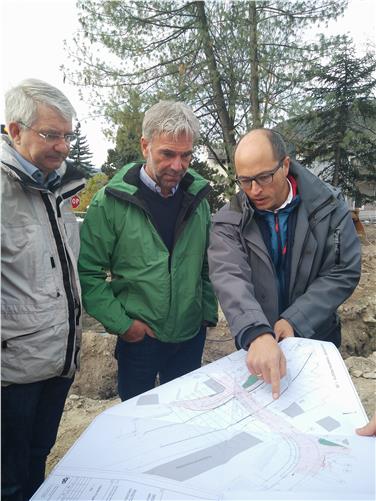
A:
(40, 291)
(325, 264)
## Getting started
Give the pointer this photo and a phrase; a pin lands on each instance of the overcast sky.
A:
(32, 34)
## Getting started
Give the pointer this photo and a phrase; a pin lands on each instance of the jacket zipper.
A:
(311, 216)
(189, 209)
(64, 261)
(324, 204)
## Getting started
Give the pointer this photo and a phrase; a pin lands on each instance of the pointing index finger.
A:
(275, 379)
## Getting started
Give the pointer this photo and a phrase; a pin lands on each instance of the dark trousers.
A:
(30, 417)
(139, 363)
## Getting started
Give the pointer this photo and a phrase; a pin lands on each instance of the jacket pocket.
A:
(23, 318)
(337, 247)
(27, 269)
(34, 356)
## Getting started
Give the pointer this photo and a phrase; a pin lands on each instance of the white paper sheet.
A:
(217, 434)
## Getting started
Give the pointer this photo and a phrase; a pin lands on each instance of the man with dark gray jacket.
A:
(40, 291)
(283, 255)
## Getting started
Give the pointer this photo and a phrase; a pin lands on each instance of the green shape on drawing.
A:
(250, 381)
(323, 441)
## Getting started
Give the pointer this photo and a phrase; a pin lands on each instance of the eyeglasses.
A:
(52, 138)
(262, 179)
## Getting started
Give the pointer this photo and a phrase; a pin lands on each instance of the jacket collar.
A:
(312, 190)
(128, 178)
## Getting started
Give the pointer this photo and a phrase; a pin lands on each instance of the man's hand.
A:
(265, 359)
(369, 429)
(137, 332)
(283, 329)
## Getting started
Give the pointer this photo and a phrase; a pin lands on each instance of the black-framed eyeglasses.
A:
(51, 137)
(262, 179)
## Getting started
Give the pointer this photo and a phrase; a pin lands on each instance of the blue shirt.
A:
(150, 183)
(51, 180)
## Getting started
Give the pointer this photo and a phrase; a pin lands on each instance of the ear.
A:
(14, 130)
(286, 166)
(144, 147)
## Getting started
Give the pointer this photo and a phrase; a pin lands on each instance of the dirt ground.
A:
(94, 389)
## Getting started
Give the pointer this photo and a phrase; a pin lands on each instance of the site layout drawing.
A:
(217, 434)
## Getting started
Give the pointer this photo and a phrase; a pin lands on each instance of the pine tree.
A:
(127, 148)
(339, 134)
(218, 182)
(80, 154)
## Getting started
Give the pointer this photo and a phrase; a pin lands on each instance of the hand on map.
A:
(283, 329)
(369, 429)
(137, 331)
(266, 359)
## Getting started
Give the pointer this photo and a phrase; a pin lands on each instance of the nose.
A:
(62, 146)
(177, 164)
(255, 189)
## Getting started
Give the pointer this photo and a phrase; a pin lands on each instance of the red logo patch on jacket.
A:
(75, 201)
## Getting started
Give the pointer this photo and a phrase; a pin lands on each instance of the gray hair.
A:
(21, 101)
(173, 118)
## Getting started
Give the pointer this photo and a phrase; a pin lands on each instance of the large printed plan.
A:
(217, 434)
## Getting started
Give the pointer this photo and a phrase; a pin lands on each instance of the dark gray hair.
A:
(173, 118)
(21, 101)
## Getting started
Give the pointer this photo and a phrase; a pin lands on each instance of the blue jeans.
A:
(139, 363)
(31, 415)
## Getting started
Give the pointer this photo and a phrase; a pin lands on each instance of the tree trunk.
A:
(254, 93)
(337, 163)
(227, 124)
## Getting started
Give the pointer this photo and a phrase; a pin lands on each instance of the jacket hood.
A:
(128, 178)
(312, 190)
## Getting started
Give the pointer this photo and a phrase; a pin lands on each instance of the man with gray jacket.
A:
(283, 255)
(40, 292)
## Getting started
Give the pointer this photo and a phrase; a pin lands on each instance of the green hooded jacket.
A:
(126, 270)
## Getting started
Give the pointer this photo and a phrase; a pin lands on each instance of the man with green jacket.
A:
(143, 261)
